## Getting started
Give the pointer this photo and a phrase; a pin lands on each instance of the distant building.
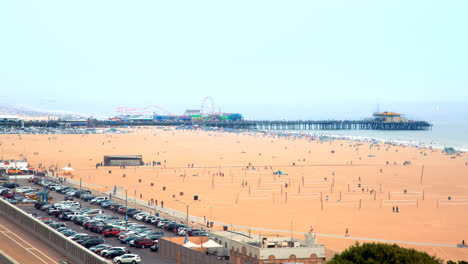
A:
(242, 248)
(13, 164)
(11, 121)
(389, 117)
(123, 160)
(192, 112)
(72, 121)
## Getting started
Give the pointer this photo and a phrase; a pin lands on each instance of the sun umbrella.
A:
(191, 245)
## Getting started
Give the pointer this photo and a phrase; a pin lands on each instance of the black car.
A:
(10, 185)
(92, 242)
(115, 253)
(79, 237)
(85, 238)
(39, 204)
(133, 212)
(80, 220)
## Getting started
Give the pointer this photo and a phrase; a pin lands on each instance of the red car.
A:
(143, 242)
(33, 179)
(111, 232)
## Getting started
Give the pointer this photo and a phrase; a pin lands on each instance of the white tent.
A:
(211, 244)
(68, 169)
(191, 245)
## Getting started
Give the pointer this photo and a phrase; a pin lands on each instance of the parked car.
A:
(142, 242)
(10, 185)
(104, 252)
(127, 258)
(92, 242)
(100, 246)
(129, 238)
(115, 253)
(112, 232)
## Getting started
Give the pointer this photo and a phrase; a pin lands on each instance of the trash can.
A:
(195, 197)
(211, 224)
(225, 228)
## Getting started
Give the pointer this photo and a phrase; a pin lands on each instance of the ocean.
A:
(443, 134)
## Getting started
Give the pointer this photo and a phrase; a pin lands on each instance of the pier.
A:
(241, 124)
(251, 125)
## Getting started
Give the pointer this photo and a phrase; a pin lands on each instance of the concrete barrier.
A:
(74, 251)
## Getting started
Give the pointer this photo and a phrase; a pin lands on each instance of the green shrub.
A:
(373, 253)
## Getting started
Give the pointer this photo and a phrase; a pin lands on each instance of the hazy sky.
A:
(265, 59)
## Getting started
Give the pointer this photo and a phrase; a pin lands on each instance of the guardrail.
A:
(74, 251)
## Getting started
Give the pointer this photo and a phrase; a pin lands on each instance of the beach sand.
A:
(322, 178)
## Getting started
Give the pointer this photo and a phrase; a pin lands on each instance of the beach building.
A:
(123, 160)
(11, 122)
(72, 121)
(389, 117)
(244, 248)
(13, 164)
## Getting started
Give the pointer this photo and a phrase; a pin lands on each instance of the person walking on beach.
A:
(347, 233)
(393, 208)
(397, 209)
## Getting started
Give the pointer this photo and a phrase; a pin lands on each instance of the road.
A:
(24, 248)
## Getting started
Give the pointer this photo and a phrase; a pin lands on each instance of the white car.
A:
(104, 252)
(98, 200)
(28, 201)
(140, 216)
(94, 212)
(182, 231)
(24, 189)
(127, 258)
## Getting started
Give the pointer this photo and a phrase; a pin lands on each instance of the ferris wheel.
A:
(207, 106)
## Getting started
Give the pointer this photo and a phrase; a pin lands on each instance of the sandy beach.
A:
(331, 185)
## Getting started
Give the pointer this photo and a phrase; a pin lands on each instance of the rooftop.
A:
(124, 156)
(387, 114)
(257, 240)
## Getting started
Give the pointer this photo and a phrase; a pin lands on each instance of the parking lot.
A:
(147, 256)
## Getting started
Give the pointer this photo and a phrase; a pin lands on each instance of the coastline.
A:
(313, 171)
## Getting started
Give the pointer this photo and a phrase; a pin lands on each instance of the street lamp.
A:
(126, 210)
(188, 205)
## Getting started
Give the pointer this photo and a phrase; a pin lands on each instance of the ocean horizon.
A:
(443, 134)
